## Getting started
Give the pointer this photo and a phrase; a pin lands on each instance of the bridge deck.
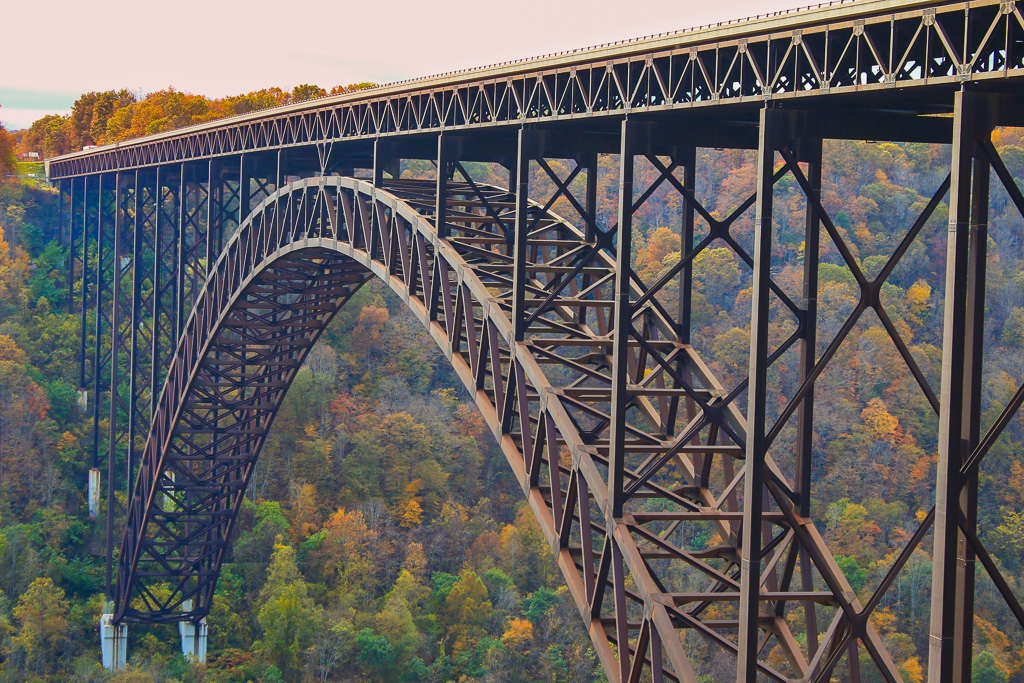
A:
(903, 52)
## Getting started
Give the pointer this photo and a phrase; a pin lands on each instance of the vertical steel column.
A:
(194, 232)
(216, 215)
(182, 255)
(687, 159)
(135, 415)
(214, 210)
(443, 174)
(623, 321)
(753, 478)
(101, 249)
(112, 427)
(85, 282)
(71, 246)
(590, 201)
(949, 654)
(158, 286)
(623, 324)
(808, 342)
(808, 356)
(212, 201)
(974, 358)
(526, 150)
(243, 189)
(380, 150)
(60, 212)
(166, 278)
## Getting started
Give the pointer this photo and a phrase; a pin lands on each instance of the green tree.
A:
(1007, 539)
(256, 544)
(49, 135)
(92, 111)
(538, 603)
(732, 348)
(395, 623)
(716, 274)
(288, 616)
(467, 611)
(985, 670)
(375, 653)
(1013, 329)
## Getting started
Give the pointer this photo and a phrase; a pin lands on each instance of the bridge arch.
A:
(287, 270)
(546, 397)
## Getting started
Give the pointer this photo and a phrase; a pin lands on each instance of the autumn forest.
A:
(382, 537)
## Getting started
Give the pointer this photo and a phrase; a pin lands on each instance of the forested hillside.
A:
(382, 537)
(100, 118)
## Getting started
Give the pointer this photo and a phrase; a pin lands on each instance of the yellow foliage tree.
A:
(411, 513)
(415, 561)
(346, 551)
(1015, 484)
(883, 424)
(918, 295)
(912, 671)
(302, 515)
(10, 353)
(43, 625)
(517, 633)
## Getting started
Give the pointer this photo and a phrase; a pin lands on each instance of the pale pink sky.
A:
(56, 50)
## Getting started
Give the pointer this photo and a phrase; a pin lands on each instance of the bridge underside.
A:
(587, 373)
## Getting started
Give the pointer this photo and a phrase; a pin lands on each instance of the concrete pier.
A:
(114, 643)
(194, 637)
(94, 493)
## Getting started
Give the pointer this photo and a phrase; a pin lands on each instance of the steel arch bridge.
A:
(211, 258)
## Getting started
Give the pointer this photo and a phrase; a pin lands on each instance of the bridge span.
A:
(211, 258)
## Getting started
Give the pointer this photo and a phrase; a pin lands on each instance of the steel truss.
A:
(856, 49)
(207, 262)
(618, 432)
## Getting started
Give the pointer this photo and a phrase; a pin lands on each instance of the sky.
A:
(227, 47)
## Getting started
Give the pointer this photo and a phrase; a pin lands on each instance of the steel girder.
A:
(857, 49)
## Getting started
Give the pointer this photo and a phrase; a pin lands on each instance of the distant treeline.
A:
(99, 118)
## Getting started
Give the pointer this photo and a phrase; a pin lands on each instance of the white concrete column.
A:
(94, 493)
(193, 640)
(113, 643)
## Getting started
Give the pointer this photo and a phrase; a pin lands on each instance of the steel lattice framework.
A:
(209, 260)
